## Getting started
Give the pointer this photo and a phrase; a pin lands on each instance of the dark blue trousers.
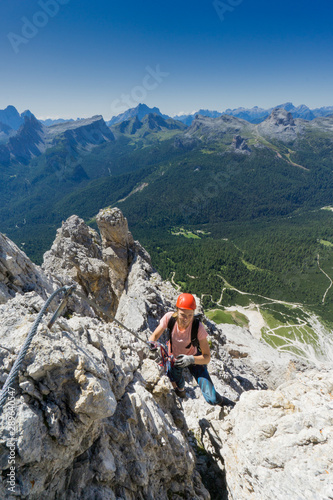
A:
(201, 375)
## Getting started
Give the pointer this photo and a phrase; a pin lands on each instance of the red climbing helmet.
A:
(186, 301)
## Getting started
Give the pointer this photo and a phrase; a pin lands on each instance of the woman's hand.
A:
(183, 360)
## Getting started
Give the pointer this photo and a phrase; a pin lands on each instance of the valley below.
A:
(287, 327)
(236, 212)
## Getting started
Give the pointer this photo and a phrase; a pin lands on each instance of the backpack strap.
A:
(194, 333)
(171, 324)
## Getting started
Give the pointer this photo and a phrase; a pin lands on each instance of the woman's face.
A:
(185, 316)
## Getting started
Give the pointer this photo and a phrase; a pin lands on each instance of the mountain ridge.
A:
(226, 164)
(257, 114)
(152, 122)
(12, 118)
(33, 138)
(141, 110)
(253, 115)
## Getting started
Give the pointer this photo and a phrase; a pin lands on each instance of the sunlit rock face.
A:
(86, 425)
(117, 243)
(279, 444)
(98, 263)
(96, 418)
(17, 273)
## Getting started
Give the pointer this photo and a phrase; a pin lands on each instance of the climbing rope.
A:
(166, 360)
(93, 304)
(62, 305)
(17, 365)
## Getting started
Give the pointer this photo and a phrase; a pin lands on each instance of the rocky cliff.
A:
(92, 417)
(33, 138)
(281, 125)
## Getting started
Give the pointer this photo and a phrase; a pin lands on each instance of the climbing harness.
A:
(166, 360)
(17, 365)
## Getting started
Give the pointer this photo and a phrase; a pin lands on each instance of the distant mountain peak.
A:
(151, 122)
(10, 108)
(288, 106)
(281, 125)
(144, 108)
(11, 117)
(257, 114)
(141, 110)
(280, 116)
(33, 138)
(27, 112)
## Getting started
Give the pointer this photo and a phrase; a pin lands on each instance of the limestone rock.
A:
(116, 244)
(85, 425)
(98, 264)
(146, 297)
(269, 365)
(240, 146)
(279, 444)
(76, 256)
(281, 125)
(18, 274)
(95, 417)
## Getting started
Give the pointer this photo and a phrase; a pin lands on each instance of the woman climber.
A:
(189, 346)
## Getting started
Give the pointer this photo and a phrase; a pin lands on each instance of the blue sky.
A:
(78, 58)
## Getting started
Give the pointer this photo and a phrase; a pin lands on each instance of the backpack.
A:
(194, 332)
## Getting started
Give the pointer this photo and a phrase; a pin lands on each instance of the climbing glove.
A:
(183, 360)
(152, 346)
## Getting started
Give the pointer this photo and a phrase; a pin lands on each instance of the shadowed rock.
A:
(239, 145)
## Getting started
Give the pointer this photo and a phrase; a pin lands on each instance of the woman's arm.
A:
(157, 333)
(204, 358)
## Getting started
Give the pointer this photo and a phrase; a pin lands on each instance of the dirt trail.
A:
(327, 276)
(282, 156)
